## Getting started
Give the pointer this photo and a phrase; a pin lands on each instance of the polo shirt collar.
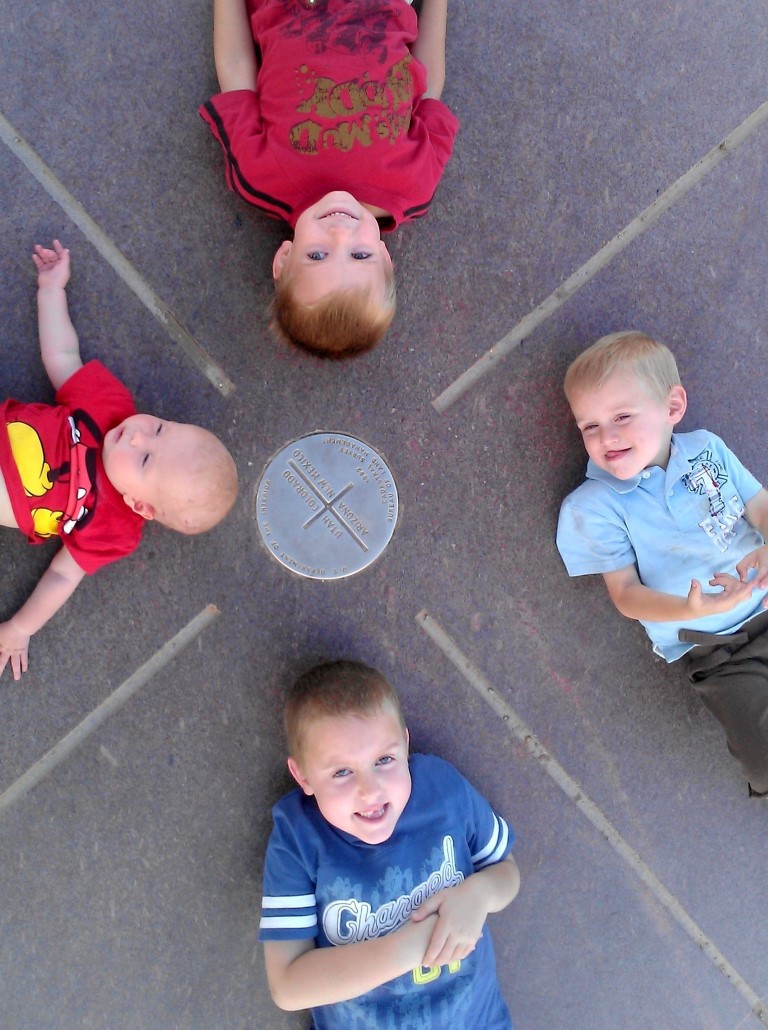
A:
(677, 467)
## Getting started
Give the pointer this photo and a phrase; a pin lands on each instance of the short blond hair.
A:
(340, 325)
(629, 350)
(204, 488)
(331, 690)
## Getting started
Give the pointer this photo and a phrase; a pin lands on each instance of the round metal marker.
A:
(326, 505)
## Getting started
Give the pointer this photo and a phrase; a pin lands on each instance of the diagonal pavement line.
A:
(64, 748)
(523, 734)
(604, 256)
(113, 256)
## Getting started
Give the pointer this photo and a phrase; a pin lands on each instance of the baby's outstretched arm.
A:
(233, 49)
(58, 583)
(429, 45)
(59, 346)
(462, 911)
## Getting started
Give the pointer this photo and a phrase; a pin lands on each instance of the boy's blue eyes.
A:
(592, 425)
(319, 255)
(340, 774)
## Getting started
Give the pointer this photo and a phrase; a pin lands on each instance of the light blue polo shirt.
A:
(676, 524)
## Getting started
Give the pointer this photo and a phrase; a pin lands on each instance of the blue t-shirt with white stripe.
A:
(322, 883)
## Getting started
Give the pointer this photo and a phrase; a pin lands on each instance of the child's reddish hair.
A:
(339, 325)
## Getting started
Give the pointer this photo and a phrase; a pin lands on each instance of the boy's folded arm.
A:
(429, 45)
(462, 910)
(233, 49)
(757, 512)
(757, 516)
(637, 601)
(303, 976)
(500, 883)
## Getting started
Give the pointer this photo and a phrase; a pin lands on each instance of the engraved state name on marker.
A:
(326, 506)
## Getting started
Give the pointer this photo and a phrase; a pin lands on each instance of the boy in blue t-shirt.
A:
(660, 514)
(380, 871)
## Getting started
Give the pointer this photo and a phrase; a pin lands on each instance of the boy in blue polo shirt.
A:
(380, 871)
(662, 513)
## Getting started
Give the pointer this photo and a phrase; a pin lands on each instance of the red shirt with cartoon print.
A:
(338, 105)
(50, 458)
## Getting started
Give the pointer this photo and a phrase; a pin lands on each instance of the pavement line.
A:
(523, 734)
(61, 751)
(604, 256)
(104, 245)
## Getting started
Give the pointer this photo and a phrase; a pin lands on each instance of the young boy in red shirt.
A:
(330, 118)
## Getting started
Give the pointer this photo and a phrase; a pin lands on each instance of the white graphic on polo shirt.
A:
(351, 920)
(708, 478)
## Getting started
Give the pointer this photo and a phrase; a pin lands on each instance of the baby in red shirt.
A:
(91, 470)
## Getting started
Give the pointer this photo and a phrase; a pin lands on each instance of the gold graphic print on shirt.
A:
(356, 112)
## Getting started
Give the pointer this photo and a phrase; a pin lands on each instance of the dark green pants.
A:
(730, 675)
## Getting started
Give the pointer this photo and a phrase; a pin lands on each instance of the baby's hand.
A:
(13, 648)
(52, 265)
(461, 917)
(757, 559)
(733, 591)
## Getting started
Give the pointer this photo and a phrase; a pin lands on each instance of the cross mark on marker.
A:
(328, 505)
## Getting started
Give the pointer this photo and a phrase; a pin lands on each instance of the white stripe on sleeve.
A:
(287, 922)
(288, 901)
(496, 846)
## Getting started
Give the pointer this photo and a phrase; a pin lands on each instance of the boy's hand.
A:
(757, 559)
(733, 592)
(13, 648)
(461, 917)
(52, 265)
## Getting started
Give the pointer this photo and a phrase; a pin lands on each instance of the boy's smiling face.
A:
(625, 426)
(356, 766)
(336, 246)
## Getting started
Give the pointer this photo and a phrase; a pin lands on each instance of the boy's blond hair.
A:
(339, 325)
(629, 350)
(204, 488)
(331, 690)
